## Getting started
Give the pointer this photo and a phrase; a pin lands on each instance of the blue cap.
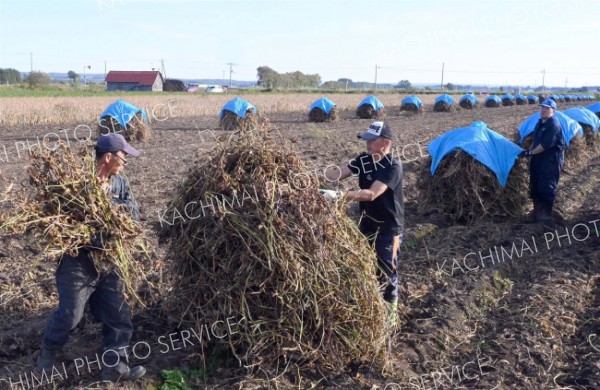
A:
(114, 142)
(549, 103)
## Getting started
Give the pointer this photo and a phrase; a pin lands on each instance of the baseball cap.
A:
(377, 129)
(549, 103)
(114, 142)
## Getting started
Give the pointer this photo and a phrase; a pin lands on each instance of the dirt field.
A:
(477, 315)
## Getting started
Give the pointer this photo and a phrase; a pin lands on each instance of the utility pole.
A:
(565, 84)
(105, 73)
(85, 66)
(376, 76)
(231, 65)
(162, 68)
(442, 84)
(543, 82)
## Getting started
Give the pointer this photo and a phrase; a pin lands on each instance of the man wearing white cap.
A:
(79, 281)
(381, 201)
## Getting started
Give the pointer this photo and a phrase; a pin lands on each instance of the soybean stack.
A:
(462, 188)
(263, 245)
(135, 130)
(65, 207)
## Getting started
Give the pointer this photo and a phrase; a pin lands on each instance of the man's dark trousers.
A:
(387, 248)
(77, 282)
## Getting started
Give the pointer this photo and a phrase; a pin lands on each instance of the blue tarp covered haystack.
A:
(508, 100)
(474, 172)
(443, 103)
(584, 117)
(322, 110)
(238, 114)
(126, 119)
(570, 127)
(468, 101)
(123, 112)
(370, 107)
(595, 108)
(493, 101)
(532, 99)
(520, 99)
(411, 103)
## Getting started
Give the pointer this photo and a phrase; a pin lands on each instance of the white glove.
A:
(330, 194)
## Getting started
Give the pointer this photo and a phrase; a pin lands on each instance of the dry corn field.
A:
(499, 304)
(69, 110)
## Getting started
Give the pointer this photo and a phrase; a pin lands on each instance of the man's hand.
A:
(331, 194)
(525, 153)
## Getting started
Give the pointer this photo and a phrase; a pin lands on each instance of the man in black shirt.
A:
(380, 200)
(546, 161)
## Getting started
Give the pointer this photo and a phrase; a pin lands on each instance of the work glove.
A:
(331, 195)
(525, 153)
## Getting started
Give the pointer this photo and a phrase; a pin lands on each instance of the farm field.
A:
(475, 314)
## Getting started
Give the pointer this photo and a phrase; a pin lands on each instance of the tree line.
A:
(269, 78)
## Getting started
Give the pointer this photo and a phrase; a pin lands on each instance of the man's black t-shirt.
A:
(386, 212)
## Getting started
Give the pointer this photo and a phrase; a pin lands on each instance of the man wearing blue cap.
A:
(546, 162)
(78, 280)
(381, 202)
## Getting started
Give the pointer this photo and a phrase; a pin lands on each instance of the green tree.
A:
(38, 78)
(450, 87)
(73, 76)
(267, 77)
(332, 85)
(10, 76)
(404, 84)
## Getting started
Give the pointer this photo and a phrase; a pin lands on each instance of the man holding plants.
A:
(79, 280)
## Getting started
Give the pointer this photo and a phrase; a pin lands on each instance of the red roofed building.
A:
(124, 80)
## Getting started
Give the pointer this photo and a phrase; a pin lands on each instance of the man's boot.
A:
(46, 359)
(546, 212)
(534, 215)
(122, 373)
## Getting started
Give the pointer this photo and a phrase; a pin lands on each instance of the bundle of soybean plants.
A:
(464, 190)
(65, 206)
(263, 246)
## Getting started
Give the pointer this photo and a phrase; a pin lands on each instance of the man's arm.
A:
(338, 174)
(367, 195)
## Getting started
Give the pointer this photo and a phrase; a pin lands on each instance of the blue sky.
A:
(480, 42)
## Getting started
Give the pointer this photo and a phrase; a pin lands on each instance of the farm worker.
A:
(381, 202)
(78, 280)
(546, 162)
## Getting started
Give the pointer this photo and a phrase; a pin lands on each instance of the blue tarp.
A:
(594, 107)
(585, 116)
(123, 112)
(238, 106)
(485, 145)
(494, 98)
(412, 100)
(469, 97)
(449, 100)
(569, 127)
(509, 97)
(533, 98)
(520, 97)
(324, 104)
(373, 101)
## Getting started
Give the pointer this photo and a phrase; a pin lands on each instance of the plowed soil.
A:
(497, 305)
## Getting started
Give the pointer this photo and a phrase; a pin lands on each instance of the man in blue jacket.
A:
(79, 280)
(546, 161)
